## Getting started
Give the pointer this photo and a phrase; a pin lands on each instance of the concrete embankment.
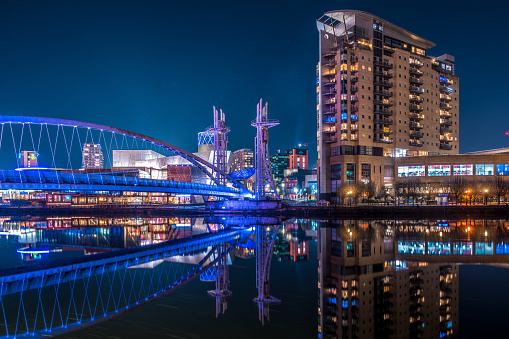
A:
(329, 212)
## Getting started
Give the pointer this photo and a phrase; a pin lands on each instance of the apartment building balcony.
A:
(329, 138)
(354, 136)
(330, 92)
(354, 127)
(383, 111)
(416, 116)
(382, 92)
(445, 97)
(329, 130)
(444, 80)
(445, 122)
(384, 64)
(446, 138)
(385, 131)
(445, 114)
(329, 74)
(445, 146)
(415, 89)
(383, 74)
(354, 98)
(354, 58)
(354, 89)
(329, 63)
(416, 125)
(417, 108)
(445, 106)
(415, 62)
(354, 117)
(354, 108)
(415, 71)
(382, 139)
(416, 134)
(418, 143)
(383, 83)
(444, 89)
(354, 79)
(415, 98)
(329, 102)
(329, 54)
(330, 82)
(384, 102)
(383, 121)
(414, 80)
(445, 129)
(330, 111)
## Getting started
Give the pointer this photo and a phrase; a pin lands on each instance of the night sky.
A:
(158, 67)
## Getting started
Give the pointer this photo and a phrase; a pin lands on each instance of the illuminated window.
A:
(502, 169)
(439, 170)
(484, 169)
(411, 171)
(460, 170)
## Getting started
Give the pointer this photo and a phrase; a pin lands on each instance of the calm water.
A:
(351, 278)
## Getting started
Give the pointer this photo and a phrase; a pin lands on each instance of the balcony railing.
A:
(445, 146)
(445, 129)
(354, 89)
(446, 106)
(416, 116)
(415, 89)
(383, 93)
(330, 93)
(330, 130)
(444, 113)
(415, 62)
(445, 122)
(384, 64)
(383, 102)
(414, 80)
(354, 98)
(416, 125)
(329, 82)
(330, 111)
(415, 98)
(385, 140)
(417, 143)
(445, 97)
(416, 71)
(383, 121)
(444, 89)
(354, 79)
(384, 74)
(354, 58)
(414, 107)
(329, 74)
(354, 108)
(383, 83)
(383, 111)
(416, 134)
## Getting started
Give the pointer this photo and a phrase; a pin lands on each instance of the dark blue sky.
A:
(157, 67)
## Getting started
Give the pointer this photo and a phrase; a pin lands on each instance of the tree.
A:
(500, 187)
(456, 186)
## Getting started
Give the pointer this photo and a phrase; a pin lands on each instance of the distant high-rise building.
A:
(297, 158)
(28, 158)
(379, 96)
(92, 156)
(278, 164)
(240, 160)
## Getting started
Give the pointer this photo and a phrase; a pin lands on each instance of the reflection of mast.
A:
(264, 183)
(265, 238)
(222, 292)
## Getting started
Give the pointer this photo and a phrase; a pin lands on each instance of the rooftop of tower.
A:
(333, 22)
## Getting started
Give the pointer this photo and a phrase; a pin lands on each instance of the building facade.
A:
(298, 158)
(92, 156)
(28, 159)
(379, 95)
(278, 165)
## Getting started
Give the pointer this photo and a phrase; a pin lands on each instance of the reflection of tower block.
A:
(264, 183)
(265, 238)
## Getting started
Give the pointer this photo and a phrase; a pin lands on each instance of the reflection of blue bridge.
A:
(60, 295)
(50, 180)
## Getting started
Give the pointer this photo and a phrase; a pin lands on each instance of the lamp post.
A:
(349, 193)
(485, 196)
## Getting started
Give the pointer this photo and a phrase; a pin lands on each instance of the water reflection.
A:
(399, 279)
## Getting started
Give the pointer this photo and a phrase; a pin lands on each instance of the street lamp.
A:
(486, 196)
(349, 201)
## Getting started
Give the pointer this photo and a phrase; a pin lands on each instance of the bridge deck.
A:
(44, 180)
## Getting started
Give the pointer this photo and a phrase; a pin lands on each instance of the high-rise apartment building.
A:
(278, 165)
(92, 156)
(380, 95)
